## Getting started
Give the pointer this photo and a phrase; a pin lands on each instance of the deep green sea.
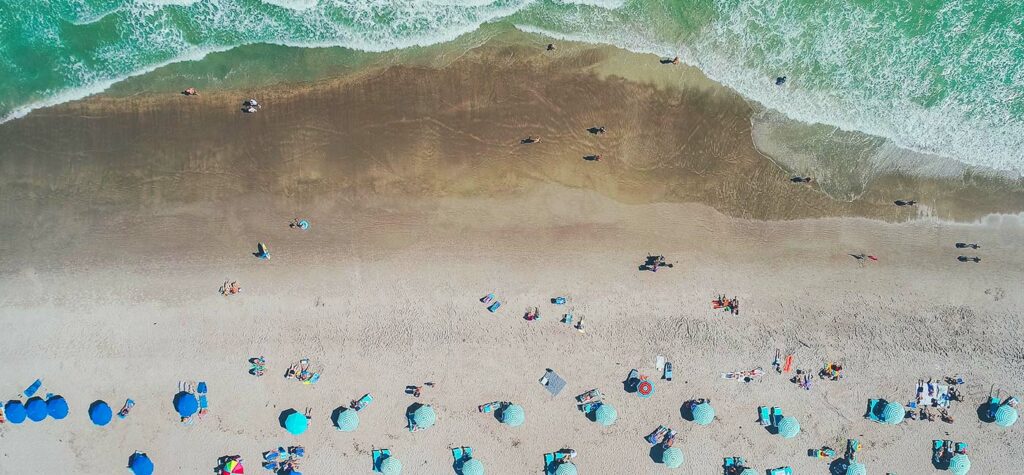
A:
(942, 77)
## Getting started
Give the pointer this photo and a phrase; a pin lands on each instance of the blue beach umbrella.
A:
(959, 464)
(347, 420)
(1006, 416)
(672, 457)
(513, 415)
(140, 464)
(100, 413)
(186, 404)
(296, 423)
(35, 409)
(789, 427)
(893, 413)
(703, 414)
(57, 407)
(424, 417)
(15, 411)
(606, 415)
(472, 467)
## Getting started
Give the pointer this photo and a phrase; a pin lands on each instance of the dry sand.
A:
(122, 217)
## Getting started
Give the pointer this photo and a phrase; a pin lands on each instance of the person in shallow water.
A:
(781, 80)
(905, 202)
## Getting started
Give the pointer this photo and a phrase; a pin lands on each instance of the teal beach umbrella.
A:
(513, 415)
(893, 413)
(424, 417)
(347, 420)
(1006, 416)
(856, 469)
(959, 464)
(390, 466)
(605, 414)
(789, 427)
(703, 414)
(565, 468)
(672, 457)
(472, 467)
(296, 423)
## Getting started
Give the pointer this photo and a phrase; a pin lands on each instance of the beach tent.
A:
(1006, 416)
(57, 407)
(513, 415)
(856, 469)
(390, 466)
(424, 417)
(347, 420)
(959, 464)
(605, 414)
(296, 423)
(672, 457)
(789, 427)
(100, 413)
(472, 467)
(703, 414)
(35, 409)
(15, 411)
(893, 413)
(232, 467)
(186, 404)
(140, 464)
(565, 468)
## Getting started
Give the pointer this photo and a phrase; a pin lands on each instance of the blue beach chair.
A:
(549, 463)
(781, 471)
(378, 457)
(494, 306)
(764, 416)
(873, 410)
(458, 454)
(776, 415)
(33, 388)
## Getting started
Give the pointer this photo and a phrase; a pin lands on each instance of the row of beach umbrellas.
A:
(36, 409)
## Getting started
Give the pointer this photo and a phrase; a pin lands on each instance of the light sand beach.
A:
(123, 216)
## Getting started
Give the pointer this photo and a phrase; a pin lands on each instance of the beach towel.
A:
(494, 307)
(487, 298)
(33, 388)
(788, 365)
(552, 382)
(764, 416)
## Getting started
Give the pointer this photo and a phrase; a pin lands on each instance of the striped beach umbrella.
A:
(703, 414)
(347, 420)
(233, 467)
(959, 464)
(789, 427)
(893, 413)
(472, 467)
(856, 469)
(672, 457)
(605, 414)
(565, 468)
(513, 415)
(1006, 416)
(424, 417)
(390, 466)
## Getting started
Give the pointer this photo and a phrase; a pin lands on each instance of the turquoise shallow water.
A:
(938, 76)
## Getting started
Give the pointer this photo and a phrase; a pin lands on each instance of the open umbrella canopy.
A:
(232, 467)
(606, 414)
(35, 409)
(15, 411)
(893, 413)
(1006, 416)
(424, 417)
(513, 415)
(296, 423)
(140, 464)
(789, 427)
(856, 469)
(703, 414)
(57, 407)
(672, 457)
(565, 468)
(959, 464)
(100, 413)
(472, 467)
(186, 404)
(347, 420)
(390, 466)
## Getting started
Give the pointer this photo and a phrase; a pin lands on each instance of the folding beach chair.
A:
(494, 307)
(458, 454)
(960, 448)
(549, 463)
(764, 416)
(776, 415)
(667, 374)
(781, 471)
(728, 463)
(872, 413)
(362, 402)
(378, 457)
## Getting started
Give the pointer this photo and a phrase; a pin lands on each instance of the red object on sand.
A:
(789, 364)
(873, 258)
(644, 388)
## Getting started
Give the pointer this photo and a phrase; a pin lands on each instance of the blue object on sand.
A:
(31, 390)
(303, 225)
(764, 416)
(776, 415)
(296, 423)
(378, 457)
(494, 307)
(140, 464)
(186, 404)
(35, 409)
(57, 407)
(100, 413)
(15, 411)
(873, 410)
(262, 251)
(558, 301)
(201, 387)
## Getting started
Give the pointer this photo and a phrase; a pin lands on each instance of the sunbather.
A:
(128, 405)
(530, 140)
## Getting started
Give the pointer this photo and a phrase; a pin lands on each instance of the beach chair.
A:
(549, 462)
(458, 454)
(362, 402)
(764, 416)
(589, 396)
(667, 374)
(960, 448)
(378, 457)
(312, 379)
(128, 405)
(558, 300)
(852, 447)
(872, 412)
(487, 298)
(730, 462)
(776, 415)
(781, 471)
(494, 307)
(489, 407)
(567, 318)
(204, 405)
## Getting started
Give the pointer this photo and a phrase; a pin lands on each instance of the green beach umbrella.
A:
(672, 457)
(347, 420)
(789, 427)
(424, 417)
(856, 469)
(606, 414)
(390, 466)
(513, 415)
(703, 414)
(565, 468)
(1006, 416)
(959, 464)
(472, 467)
(893, 413)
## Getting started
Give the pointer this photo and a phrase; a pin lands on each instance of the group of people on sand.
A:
(250, 106)
(597, 130)
(283, 460)
(729, 305)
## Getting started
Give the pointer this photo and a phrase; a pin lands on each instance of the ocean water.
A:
(936, 77)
